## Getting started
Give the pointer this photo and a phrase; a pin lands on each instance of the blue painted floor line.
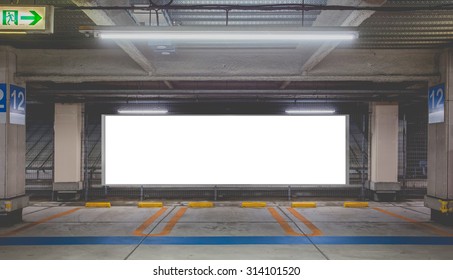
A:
(226, 240)
(70, 240)
(382, 240)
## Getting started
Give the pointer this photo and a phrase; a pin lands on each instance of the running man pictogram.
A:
(10, 17)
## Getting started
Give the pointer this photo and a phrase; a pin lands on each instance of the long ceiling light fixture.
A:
(143, 112)
(309, 112)
(222, 34)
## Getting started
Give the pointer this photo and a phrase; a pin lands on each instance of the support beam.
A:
(68, 127)
(384, 151)
(314, 78)
(338, 18)
(115, 65)
(253, 92)
(100, 17)
(12, 142)
(317, 57)
(440, 151)
(136, 55)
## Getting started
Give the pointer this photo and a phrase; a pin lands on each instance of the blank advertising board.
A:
(225, 150)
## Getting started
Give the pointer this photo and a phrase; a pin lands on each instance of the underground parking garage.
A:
(226, 130)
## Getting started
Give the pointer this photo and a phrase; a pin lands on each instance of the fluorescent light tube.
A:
(143, 112)
(13, 32)
(230, 36)
(307, 112)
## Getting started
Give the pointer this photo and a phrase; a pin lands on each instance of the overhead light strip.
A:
(143, 112)
(310, 112)
(229, 36)
(13, 32)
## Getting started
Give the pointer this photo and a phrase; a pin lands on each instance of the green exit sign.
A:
(26, 19)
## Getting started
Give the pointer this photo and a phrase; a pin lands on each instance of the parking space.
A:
(380, 231)
(223, 221)
(375, 221)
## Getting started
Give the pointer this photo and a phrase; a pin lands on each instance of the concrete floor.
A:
(382, 231)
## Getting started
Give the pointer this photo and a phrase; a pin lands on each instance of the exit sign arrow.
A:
(35, 17)
(26, 19)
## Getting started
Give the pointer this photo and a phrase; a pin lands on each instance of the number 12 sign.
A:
(16, 105)
(3, 103)
(2, 98)
(436, 98)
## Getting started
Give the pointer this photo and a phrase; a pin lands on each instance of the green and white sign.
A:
(33, 19)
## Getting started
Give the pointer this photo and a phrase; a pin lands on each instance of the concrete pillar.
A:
(384, 151)
(440, 150)
(68, 128)
(12, 140)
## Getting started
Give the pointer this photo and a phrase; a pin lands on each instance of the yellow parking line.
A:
(148, 222)
(25, 227)
(168, 228)
(434, 229)
(285, 226)
(315, 231)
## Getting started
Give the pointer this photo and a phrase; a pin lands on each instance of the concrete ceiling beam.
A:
(297, 78)
(338, 18)
(100, 17)
(114, 65)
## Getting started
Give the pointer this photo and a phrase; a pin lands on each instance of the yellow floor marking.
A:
(285, 226)
(168, 228)
(148, 222)
(314, 230)
(434, 229)
(25, 227)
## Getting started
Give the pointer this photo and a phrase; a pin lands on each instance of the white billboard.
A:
(225, 150)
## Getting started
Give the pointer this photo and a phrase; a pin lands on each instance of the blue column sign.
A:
(17, 105)
(436, 101)
(2, 98)
(3, 103)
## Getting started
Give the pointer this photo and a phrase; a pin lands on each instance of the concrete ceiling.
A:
(397, 49)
